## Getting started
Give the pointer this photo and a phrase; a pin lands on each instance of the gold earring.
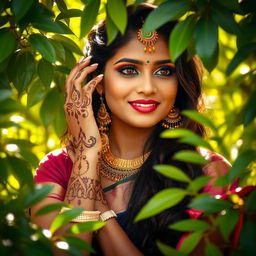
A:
(173, 119)
(103, 117)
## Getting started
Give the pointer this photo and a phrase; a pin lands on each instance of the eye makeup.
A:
(127, 69)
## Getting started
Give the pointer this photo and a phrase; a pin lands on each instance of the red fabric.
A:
(55, 167)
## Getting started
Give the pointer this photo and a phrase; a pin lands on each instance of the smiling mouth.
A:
(144, 106)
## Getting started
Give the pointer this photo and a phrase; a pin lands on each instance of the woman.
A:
(132, 93)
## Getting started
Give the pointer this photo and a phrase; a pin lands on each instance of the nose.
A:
(146, 85)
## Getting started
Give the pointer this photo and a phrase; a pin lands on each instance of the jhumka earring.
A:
(173, 119)
(149, 40)
(103, 117)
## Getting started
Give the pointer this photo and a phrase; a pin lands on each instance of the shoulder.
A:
(217, 166)
(55, 167)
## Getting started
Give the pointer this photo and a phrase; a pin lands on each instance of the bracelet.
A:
(107, 215)
(84, 216)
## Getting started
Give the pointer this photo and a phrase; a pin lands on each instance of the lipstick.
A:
(144, 106)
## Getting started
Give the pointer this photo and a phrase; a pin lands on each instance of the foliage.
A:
(40, 45)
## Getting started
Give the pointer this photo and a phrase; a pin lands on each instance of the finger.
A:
(90, 87)
(76, 69)
(82, 74)
(74, 90)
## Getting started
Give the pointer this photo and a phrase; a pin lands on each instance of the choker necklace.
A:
(116, 169)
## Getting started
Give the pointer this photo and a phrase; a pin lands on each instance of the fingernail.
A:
(81, 59)
(87, 58)
(94, 64)
(100, 75)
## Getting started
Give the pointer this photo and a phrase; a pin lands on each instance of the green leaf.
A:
(52, 101)
(5, 94)
(172, 172)
(240, 56)
(117, 11)
(176, 133)
(206, 41)
(78, 243)
(250, 206)
(196, 141)
(231, 5)
(194, 115)
(190, 225)
(8, 43)
(181, 36)
(21, 171)
(45, 72)
(191, 241)
(190, 157)
(225, 19)
(50, 208)
(59, 49)
(70, 60)
(38, 195)
(168, 250)
(44, 46)
(48, 25)
(20, 8)
(85, 227)
(60, 122)
(35, 93)
(241, 163)
(89, 16)
(3, 20)
(29, 156)
(250, 109)
(227, 223)
(22, 143)
(21, 69)
(9, 106)
(212, 250)
(169, 10)
(68, 43)
(210, 204)
(112, 30)
(160, 202)
(69, 14)
(4, 170)
(222, 181)
(61, 5)
(65, 217)
(199, 183)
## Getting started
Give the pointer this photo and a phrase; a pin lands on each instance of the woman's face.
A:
(140, 88)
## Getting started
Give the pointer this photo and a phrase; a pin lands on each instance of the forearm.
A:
(115, 242)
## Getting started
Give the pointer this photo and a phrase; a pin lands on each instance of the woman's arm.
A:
(84, 186)
(112, 238)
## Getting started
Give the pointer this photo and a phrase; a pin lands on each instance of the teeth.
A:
(143, 105)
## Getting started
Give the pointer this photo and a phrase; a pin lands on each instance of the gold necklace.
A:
(116, 169)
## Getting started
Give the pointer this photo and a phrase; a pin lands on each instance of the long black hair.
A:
(148, 181)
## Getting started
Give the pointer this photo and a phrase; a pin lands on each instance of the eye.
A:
(165, 71)
(128, 70)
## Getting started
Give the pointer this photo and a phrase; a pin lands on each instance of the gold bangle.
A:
(107, 215)
(84, 216)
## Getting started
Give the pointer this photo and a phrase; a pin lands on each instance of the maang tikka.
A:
(103, 117)
(149, 40)
(173, 119)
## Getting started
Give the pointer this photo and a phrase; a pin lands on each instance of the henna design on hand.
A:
(78, 105)
(84, 188)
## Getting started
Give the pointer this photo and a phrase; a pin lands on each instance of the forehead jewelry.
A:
(149, 40)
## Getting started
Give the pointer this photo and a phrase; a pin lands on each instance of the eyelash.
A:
(133, 71)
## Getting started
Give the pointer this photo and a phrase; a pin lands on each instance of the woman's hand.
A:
(82, 128)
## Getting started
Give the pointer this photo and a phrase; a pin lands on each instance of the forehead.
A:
(134, 49)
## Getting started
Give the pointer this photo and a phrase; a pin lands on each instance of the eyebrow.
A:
(141, 62)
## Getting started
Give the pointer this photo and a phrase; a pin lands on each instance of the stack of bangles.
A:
(91, 215)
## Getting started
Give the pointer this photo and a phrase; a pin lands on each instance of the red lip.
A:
(152, 105)
(142, 101)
